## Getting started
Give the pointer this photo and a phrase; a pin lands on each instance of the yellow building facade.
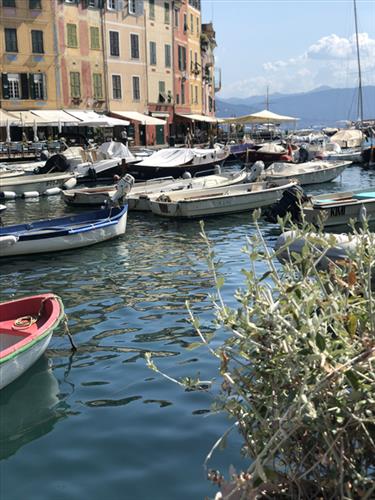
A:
(27, 55)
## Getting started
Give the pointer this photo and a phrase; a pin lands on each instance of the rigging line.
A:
(360, 99)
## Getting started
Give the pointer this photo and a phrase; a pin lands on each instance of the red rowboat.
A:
(26, 328)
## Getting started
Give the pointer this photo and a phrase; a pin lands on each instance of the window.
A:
(112, 4)
(182, 92)
(185, 23)
(168, 56)
(75, 84)
(192, 23)
(132, 6)
(94, 38)
(35, 4)
(152, 53)
(72, 35)
(37, 86)
(152, 9)
(97, 86)
(116, 87)
(136, 89)
(198, 26)
(161, 87)
(93, 3)
(134, 46)
(181, 58)
(176, 17)
(37, 42)
(177, 98)
(10, 40)
(196, 95)
(167, 19)
(114, 43)
(9, 3)
(14, 85)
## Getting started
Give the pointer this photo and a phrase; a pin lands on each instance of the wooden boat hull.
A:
(20, 346)
(13, 243)
(218, 203)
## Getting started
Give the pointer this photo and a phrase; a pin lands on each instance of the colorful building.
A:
(208, 44)
(80, 62)
(194, 59)
(159, 43)
(27, 55)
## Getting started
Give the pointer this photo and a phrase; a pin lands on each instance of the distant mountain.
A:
(323, 106)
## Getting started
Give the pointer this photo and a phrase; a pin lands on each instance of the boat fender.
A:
(70, 183)
(30, 194)
(52, 191)
(8, 195)
(186, 175)
(217, 170)
(7, 241)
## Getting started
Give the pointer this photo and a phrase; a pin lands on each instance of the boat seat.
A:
(364, 196)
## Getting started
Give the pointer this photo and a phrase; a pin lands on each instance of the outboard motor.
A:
(186, 175)
(124, 186)
(291, 202)
(255, 172)
(56, 163)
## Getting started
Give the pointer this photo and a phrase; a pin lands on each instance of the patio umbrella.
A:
(8, 139)
(59, 126)
(35, 129)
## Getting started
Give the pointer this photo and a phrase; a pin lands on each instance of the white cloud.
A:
(332, 61)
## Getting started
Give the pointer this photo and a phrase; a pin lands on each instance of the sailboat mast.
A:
(360, 97)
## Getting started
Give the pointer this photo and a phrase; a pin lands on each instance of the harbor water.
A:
(98, 424)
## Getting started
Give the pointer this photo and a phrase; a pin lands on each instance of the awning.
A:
(28, 119)
(264, 116)
(139, 117)
(160, 114)
(89, 118)
(201, 118)
(56, 117)
(7, 118)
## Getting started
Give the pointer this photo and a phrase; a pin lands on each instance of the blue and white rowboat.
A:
(64, 233)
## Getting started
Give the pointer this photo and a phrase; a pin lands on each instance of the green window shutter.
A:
(75, 84)
(98, 86)
(94, 36)
(5, 86)
(24, 86)
(72, 35)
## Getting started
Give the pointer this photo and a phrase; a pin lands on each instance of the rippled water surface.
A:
(100, 424)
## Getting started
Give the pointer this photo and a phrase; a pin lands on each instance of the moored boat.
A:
(26, 328)
(39, 184)
(229, 199)
(312, 172)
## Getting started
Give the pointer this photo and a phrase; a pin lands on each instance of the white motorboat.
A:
(139, 197)
(337, 209)
(311, 172)
(217, 201)
(11, 187)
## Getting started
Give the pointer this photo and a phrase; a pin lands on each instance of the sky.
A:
(290, 46)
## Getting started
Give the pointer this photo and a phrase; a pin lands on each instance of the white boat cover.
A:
(298, 168)
(170, 157)
(140, 117)
(114, 149)
(271, 148)
(348, 138)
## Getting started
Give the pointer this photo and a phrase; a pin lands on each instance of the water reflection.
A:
(30, 407)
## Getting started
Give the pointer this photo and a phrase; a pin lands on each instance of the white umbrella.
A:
(59, 126)
(8, 139)
(35, 129)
